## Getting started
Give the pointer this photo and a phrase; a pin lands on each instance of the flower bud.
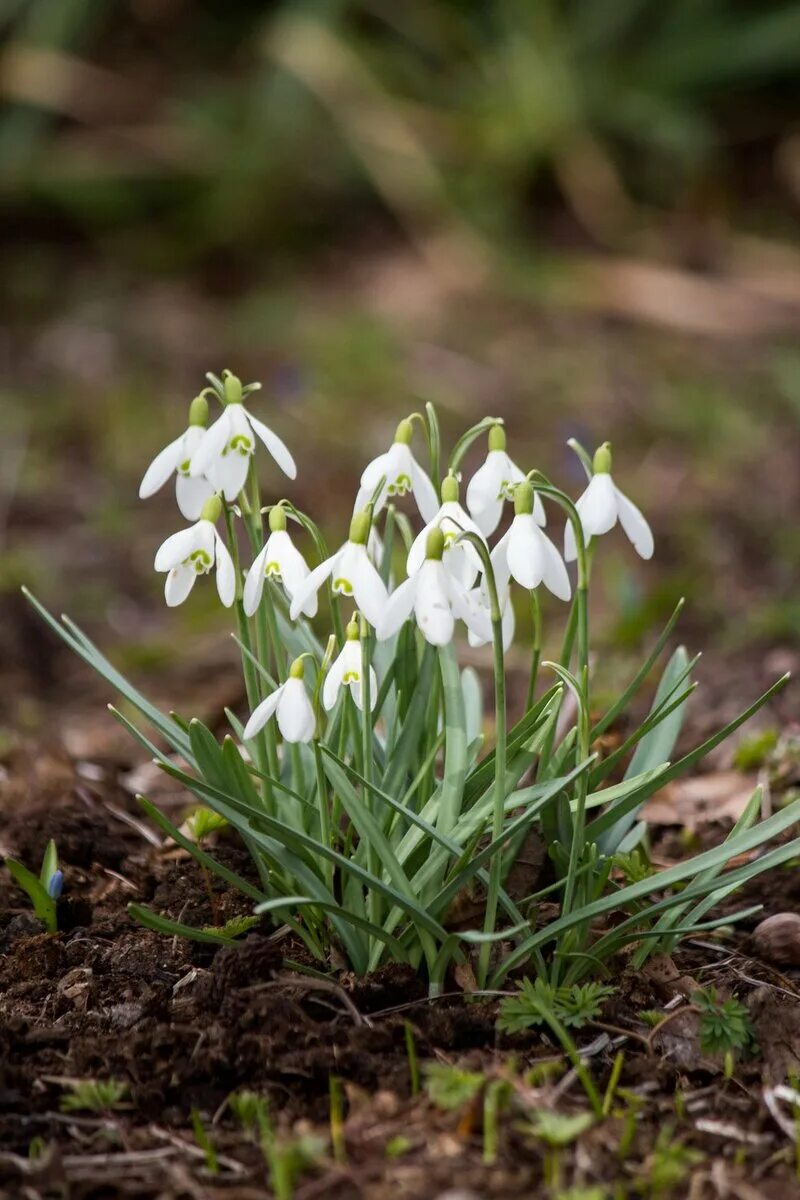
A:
(277, 519)
(211, 510)
(523, 498)
(449, 490)
(601, 463)
(298, 669)
(497, 438)
(434, 547)
(359, 527)
(404, 432)
(198, 411)
(352, 630)
(233, 388)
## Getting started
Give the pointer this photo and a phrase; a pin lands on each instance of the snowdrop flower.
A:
(509, 621)
(194, 551)
(602, 504)
(436, 598)
(461, 558)
(525, 552)
(225, 450)
(191, 493)
(493, 483)
(352, 573)
(283, 561)
(402, 473)
(347, 670)
(290, 702)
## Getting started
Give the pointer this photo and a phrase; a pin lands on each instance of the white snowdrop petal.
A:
(277, 448)
(424, 491)
(539, 514)
(375, 470)
(226, 574)
(369, 590)
(177, 547)
(525, 553)
(295, 714)
(416, 555)
(178, 584)
(262, 713)
(311, 585)
(597, 506)
(398, 609)
(254, 582)
(470, 608)
(191, 494)
(161, 468)
(228, 473)
(211, 445)
(333, 680)
(635, 526)
(555, 576)
(432, 605)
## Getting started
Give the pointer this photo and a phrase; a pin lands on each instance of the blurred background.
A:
(579, 215)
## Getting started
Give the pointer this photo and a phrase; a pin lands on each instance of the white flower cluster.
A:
(448, 566)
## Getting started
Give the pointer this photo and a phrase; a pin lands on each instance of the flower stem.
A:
(498, 812)
(536, 649)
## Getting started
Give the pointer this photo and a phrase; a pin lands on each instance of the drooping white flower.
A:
(352, 573)
(191, 493)
(493, 483)
(602, 505)
(347, 670)
(195, 551)
(436, 598)
(224, 453)
(402, 474)
(508, 621)
(291, 703)
(525, 552)
(461, 558)
(281, 560)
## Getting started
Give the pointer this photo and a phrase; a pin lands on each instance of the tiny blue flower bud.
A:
(55, 885)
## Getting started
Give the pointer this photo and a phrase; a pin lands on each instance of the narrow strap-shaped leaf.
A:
(455, 754)
(153, 920)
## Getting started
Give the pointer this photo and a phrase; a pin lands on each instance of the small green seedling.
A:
(725, 1026)
(203, 1139)
(43, 892)
(451, 1087)
(411, 1055)
(668, 1165)
(202, 822)
(397, 1146)
(557, 1130)
(95, 1095)
(286, 1158)
(572, 1006)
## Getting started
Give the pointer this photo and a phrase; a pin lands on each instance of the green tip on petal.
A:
(497, 438)
(198, 411)
(233, 388)
(601, 464)
(277, 519)
(404, 432)
(449, 489)
(352, 630)
(523, 498)
(297, 670)
(359, 527)
(211, 510)
(434, 547)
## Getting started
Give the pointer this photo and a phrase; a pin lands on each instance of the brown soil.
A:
(184, 1025)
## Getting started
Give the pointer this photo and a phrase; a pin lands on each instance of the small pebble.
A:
(777, 939)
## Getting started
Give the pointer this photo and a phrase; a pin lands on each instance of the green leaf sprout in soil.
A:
(451, 1087)
(203, 1139)
(725, 1025)
(94, 1095)
(366, 780)
(573, 1006)
(42, 891)
(667, 1166)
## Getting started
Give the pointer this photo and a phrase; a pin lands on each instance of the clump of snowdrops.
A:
(362, 780)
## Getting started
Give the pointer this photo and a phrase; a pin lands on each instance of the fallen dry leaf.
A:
(720, 795)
